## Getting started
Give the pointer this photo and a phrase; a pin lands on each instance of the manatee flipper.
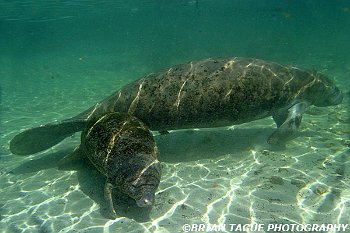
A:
(288, 123)
(43, 137)
(109, 199)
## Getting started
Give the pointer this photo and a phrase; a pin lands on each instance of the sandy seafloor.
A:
(223, 175)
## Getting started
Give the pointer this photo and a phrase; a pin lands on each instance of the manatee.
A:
(203, 94)
(123, 149)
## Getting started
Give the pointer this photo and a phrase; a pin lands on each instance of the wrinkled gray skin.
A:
(206, 93)
(122, 148)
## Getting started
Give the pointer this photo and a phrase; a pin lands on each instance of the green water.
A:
(57, 58)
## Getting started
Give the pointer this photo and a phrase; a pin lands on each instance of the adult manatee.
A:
(205, 93)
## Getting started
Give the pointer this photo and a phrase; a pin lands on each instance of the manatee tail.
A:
(43, 137)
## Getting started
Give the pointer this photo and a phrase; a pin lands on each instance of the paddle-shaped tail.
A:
(43, 137)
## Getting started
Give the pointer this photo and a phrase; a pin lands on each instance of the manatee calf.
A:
(202, 94)
(122, 148)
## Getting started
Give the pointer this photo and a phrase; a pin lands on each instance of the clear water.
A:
(60, 57)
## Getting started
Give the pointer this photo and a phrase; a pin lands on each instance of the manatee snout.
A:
(326, 93)
(332, 97)
(336, 98)
(147, 199)
(144, 187)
